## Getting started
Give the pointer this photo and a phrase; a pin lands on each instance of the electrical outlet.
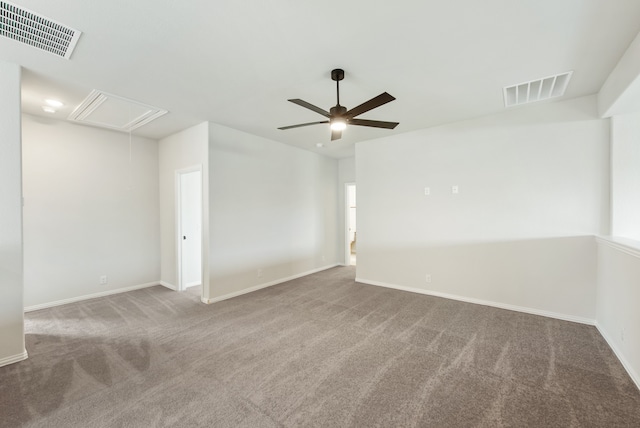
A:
(427, 191)
(454, 190)
(428, 278)
(259, 273)
(103, 279)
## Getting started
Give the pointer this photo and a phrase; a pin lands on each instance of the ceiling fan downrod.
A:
(337, 75)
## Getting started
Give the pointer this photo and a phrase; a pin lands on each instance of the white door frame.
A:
(178, 225)
(347, 247)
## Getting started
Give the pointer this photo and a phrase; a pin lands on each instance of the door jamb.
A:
(347, 249)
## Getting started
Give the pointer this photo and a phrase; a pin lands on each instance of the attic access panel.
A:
(110, 111)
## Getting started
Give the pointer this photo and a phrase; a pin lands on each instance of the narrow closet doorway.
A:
(189, 221)
(350, 221)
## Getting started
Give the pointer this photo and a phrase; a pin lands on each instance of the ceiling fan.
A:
(339, 117)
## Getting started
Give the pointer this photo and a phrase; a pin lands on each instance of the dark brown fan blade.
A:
(373, 123)
(336, 135)
(310, 107)
(303, 124)
(381, 99)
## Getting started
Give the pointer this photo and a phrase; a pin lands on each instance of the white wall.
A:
(620, 93)
(618, 318)
(533, 189)
(272, 208)
(346, 174)
(625, 176)
(88, 211)
(619, 257)
(182, 150)
(11, 243)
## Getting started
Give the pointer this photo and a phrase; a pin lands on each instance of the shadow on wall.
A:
(553, 275)
(226, 280)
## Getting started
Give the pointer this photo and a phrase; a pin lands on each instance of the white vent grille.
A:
(35, 30)
(113, 112)
(536, 90)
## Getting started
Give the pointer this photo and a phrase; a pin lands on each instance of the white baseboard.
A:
(89, 296)
(169, 285)
(14, 358)
(523, 309)
(265, 285)
(175, 287)
(632, 373)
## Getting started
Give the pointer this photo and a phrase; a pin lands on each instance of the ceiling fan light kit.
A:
(339, 117)
(338, 124)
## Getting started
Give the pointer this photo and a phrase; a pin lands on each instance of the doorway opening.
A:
(189, 227)
(350, 223)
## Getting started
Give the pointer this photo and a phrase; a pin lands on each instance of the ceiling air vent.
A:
(536, 90)
(35, 30)
(113, 112)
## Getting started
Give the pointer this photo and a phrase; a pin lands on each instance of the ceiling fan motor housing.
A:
(337, 110)
(337, 74)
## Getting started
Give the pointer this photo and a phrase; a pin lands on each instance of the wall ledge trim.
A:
(89, 296)
(628, 246)
(515, 308)
(628, 367)
(208, 301)
(14, 358)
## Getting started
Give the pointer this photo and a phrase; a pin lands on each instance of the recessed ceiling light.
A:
(54, 103)
(48, 109)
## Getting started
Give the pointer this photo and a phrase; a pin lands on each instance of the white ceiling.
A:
(237, 62)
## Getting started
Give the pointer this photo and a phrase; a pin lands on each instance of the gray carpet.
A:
(318, 351)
